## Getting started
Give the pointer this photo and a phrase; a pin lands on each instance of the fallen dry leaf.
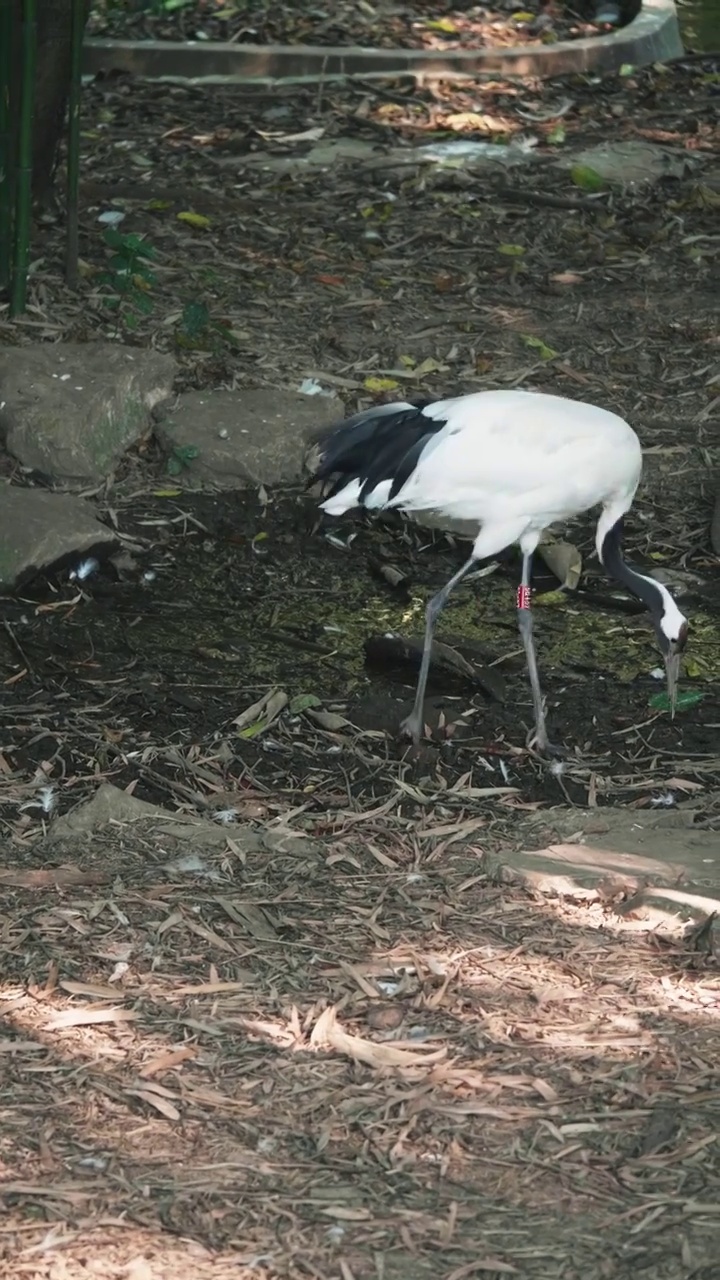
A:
(165, 1061)
(564, 560)
(89, 1018)
(91, 989)
(480, 1265)
(42, 879)
(327, 1033)
(157, 1101)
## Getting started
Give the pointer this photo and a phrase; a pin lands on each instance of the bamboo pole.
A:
(7, 161)
(73, 145)
(23, 199)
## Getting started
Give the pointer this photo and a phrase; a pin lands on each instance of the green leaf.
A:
(537, 344)
(586, 178)
(252, 730)
(511, 250)
(626, 69)
(193, 219)
(136, 244)
(145, 272)
(548, 599)
(428, 366)
(186, 452)
(303, 702)
(446, 25)
(195, 318)
(380, 384)
(113, 238)
(690, 698)
(557, 135)
(142, 304)
(145, 250)
(181, 456)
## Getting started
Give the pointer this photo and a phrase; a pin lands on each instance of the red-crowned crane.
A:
(514, 462)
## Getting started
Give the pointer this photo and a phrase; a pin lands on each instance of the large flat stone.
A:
(71, 410)
(659, 867)
(111, 807)
(39, 529)
(633, 162)
(242, 438)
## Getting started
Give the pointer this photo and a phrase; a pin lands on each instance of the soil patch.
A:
(316, 1059)
(141, 671)
(432, 26)
(199, 1044)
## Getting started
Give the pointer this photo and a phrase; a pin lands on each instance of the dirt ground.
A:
(359, 1059)
(437, 24)
(357, 1053)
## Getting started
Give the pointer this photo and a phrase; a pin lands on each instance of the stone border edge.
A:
(653, 36)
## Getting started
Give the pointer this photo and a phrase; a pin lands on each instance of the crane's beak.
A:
(672, 672)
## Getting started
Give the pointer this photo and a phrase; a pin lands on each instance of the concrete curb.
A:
(654, 36)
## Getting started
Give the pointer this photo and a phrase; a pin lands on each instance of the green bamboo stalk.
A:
(7, 165)
(73, 147)
(23, 198)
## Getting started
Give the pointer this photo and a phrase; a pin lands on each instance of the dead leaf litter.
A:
(322, 1036)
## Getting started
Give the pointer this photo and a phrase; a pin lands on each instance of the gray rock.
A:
(109, 805)
(38, 529)
(245, 437)
(355, 153)
(322, 156)
(469, 152)
(633, 163)
(71, 410)
(658, 866)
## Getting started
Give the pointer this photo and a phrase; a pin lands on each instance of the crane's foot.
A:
(413, 727)
(538, 742)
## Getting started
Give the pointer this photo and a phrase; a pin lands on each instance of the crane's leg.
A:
(540, 738)
(415, 723)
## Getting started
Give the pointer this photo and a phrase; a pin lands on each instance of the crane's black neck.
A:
(630, 577)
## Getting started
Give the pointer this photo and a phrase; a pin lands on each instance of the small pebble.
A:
(385, 1017)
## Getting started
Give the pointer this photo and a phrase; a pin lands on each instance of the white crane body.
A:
(514, 462)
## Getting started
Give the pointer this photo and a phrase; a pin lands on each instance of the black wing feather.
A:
(374, 446)
(347, 446)
(390, 459)
(409, 462)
